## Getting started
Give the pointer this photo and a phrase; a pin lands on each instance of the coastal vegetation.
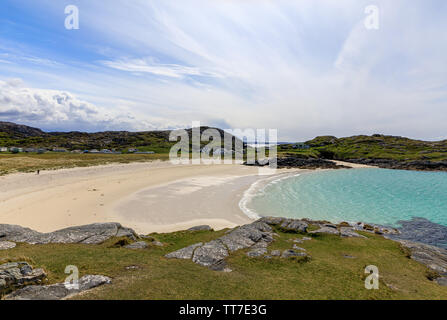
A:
(10, 163)
(334, 271)
(371, 147)
(379, 150)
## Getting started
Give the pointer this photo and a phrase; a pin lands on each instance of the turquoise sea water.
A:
(370, 195)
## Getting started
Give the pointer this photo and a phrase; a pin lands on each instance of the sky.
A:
(305, 68)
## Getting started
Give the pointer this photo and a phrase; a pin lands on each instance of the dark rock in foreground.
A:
(58, 291)
(14, 275)
(89, 234)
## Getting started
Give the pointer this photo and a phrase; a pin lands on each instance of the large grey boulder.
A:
(257, 252)
(201, 228)
(137, 245)
(184, 253)
(14, 275)
(256, 235)
(327, 230)
(5, 245)
(89, 234)
(58, 291)
(292, 253)
(210, 253)
(349, 232)
(433, 257)
(293, 225)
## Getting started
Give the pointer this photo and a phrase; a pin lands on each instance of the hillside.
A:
(301, 260)
(380, 150)
(15, 135)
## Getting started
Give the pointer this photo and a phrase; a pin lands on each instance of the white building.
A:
(3, 149)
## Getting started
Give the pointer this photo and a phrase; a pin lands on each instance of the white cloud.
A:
(147, 65)
(305, 67)
(52, 109)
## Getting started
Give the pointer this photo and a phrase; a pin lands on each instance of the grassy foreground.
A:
(10, 163)
(328, 274)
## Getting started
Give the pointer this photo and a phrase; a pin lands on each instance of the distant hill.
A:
(378, 147)
(12, 134)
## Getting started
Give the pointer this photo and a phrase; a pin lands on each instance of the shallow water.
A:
(371, 195)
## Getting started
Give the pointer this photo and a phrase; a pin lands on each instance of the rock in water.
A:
(58, 291)
(89, 234)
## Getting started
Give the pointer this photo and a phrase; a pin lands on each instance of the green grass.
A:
(328, 275)
(10, 163)
(371, 147)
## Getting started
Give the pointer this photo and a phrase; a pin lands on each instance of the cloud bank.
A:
(305, 67)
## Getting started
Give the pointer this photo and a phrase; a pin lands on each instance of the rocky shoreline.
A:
(418, 165)
(19, 281)
(319, 163)
(302, 163)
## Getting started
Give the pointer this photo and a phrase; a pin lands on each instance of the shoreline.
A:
(149, 197)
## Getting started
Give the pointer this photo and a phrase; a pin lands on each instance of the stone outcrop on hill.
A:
(255, 236)
(88, 234)
(14, 275)
(58, 291)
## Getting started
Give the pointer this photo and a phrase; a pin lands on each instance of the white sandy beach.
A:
(149, 197)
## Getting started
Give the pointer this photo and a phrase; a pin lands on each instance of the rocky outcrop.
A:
(89, 234)
(14, 275)
(421, 165)
(184, 253)
(292, 253)
(137, 245)
(422, 230)
(433, 257)
(300, 162)
(201, 228)
(212, 254)
(58, 291)
(5, 245)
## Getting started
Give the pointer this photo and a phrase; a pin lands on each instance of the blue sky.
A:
(306, 67)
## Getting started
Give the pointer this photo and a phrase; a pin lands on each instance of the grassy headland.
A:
(371, 147)
(329, 274)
